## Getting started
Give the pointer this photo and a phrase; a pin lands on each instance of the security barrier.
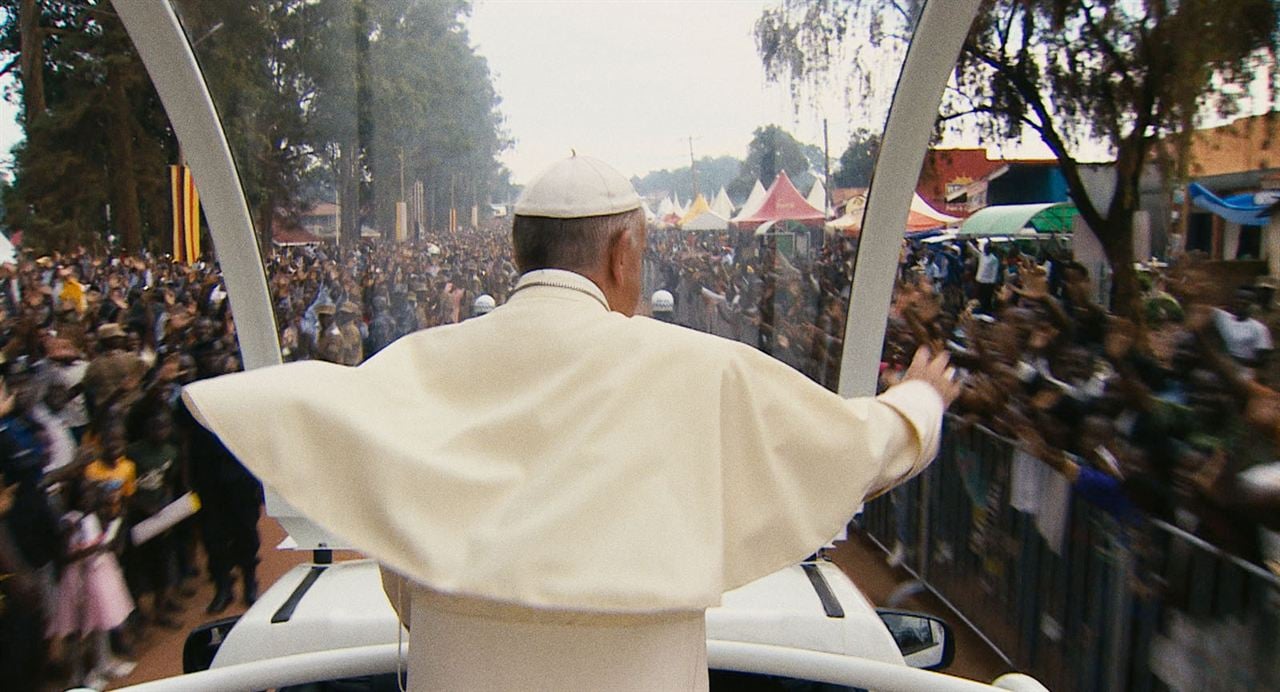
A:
(1070, 594)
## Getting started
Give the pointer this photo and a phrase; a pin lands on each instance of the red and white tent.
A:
(783, 202)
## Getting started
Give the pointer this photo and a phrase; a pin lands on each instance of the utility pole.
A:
(826, 166)
(693, 170)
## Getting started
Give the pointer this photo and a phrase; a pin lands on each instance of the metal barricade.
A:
(1068, 593)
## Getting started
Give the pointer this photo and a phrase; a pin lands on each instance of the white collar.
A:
(562, 279)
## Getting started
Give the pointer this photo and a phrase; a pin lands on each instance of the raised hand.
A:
(935, 371)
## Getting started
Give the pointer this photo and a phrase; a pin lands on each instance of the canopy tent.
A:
(1247, 209)
(922, 219)
(1009, 219)
(754, 200)
(667, 212)
(818, 196)
(722, 205)
(702, 218)
(649, 216)
(680, 209)
(783, 203)
(698, 206)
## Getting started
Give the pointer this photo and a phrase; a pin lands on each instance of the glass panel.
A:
(378, 167)
(1115, 337)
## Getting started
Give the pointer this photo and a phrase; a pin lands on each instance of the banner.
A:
(186, 215)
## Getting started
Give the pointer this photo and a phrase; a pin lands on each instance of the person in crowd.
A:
(1245, 339)
(988, 276)
(93, 597)
(152, 565)
(352, 352)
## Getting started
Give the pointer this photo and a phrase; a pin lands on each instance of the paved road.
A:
(159, 653)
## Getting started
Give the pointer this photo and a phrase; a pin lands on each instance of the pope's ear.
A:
(619, 246)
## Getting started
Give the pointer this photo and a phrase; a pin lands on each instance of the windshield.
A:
(381, 146)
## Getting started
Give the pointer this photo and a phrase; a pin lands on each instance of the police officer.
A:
(329, 344)
(352, 342)
(484, 305)
(663, 306)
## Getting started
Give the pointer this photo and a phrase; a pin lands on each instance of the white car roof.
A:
(324, 607)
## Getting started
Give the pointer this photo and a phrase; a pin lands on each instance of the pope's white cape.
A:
(552, 454)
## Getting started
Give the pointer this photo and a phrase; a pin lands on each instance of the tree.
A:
(93, 162)
(858, 160)
(713, 173)
(771, 151)
(1075, 72)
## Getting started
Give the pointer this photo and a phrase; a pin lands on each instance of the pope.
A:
(558, 489)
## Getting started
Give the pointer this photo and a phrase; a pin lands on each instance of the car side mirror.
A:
(925, 641)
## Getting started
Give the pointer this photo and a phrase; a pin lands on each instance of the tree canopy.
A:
(858, 160)
(320, 99)
(771, 151)
(713, 173)
(1072, 72)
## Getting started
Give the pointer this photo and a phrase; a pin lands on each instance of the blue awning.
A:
(1242, 209)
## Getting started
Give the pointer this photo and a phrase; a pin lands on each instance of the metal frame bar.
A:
(721, 655)
(171, 63)
(931, 57)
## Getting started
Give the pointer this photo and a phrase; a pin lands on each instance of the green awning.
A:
(1010, 219)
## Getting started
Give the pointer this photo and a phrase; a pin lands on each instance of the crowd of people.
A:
(1170, 416)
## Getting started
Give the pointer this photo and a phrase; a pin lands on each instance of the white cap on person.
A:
(662, 301)
(578, 187)
(484, 305)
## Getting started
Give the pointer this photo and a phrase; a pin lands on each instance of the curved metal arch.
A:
(931, 56)
(158, 36)
(167, 55)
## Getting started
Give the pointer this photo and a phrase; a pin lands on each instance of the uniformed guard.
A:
(484, 305)
(352, 341)
(329, 344)
(662, 305)
(589, 481)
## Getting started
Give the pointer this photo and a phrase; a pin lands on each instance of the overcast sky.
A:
(630, 82)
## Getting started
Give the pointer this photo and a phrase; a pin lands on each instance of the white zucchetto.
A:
(578, 187)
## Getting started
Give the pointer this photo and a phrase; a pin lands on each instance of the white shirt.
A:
(988, 269)
(553, 454)
(1242, 338)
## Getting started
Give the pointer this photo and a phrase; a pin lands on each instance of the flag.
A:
(186, 215)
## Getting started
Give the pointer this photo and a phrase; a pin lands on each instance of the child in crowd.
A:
(114, 472)
(93, 599)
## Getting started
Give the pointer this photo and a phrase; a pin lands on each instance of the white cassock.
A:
(567, 488)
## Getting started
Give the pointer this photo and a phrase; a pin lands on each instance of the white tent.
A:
(665, 208)
(649, 216)
(702, 218)
(680, 209)
(754, 200)
(818, 197)
(722, 205)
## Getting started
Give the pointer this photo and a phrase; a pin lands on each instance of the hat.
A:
(350, 308)
(326, 309)
(110, 330)
(61, 349)
(483, 305)
(577, 187)
(662, 301)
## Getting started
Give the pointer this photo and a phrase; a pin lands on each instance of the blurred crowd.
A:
(1170, 416)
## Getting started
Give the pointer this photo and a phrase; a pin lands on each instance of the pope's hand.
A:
(935, 371)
